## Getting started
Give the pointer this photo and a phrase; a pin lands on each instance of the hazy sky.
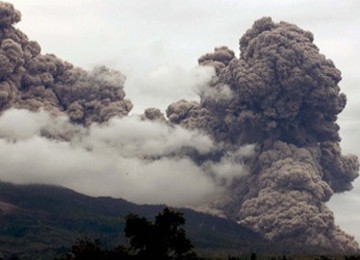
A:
(156, 44)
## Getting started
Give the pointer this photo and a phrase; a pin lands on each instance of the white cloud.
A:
(141, 161)
(10, 120)
(130, 136)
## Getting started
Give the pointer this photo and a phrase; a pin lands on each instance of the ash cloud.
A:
(31, 80)
(285, 98)
(260, 146)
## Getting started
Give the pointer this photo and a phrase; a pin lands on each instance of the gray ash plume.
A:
(154, 114)
(282, 95)
(31, 80)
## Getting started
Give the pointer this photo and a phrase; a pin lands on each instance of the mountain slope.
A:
(44, 221)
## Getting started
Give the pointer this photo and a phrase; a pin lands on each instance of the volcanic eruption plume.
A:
(263, 140)
(31, 80)
(283, 95)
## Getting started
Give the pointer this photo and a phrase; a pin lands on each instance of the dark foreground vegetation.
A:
(47, 222)
(162, 239)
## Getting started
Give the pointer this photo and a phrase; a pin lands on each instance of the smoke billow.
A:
(283, 95)
(31, 80)
(261, 147)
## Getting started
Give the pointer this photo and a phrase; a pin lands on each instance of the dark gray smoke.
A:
(31, 80)
(283, 95)
(261, 147)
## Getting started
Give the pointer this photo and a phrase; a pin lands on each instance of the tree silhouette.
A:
(163, 239)
(86, 248)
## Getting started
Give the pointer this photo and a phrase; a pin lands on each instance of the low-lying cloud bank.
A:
(139, 160)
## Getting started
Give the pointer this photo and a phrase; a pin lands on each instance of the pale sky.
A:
(156, 44)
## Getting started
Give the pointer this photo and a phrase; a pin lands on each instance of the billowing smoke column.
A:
(31, 80)
(283, 95)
